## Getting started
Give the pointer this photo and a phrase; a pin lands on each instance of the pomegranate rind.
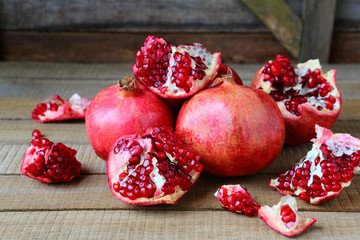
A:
(338, 144)
(231, 190)
(212, 62)
(300, 129)
(232, 143)
(74, 108)
(117, 164)
(271, 216)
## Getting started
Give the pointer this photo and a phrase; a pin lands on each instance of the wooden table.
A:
(85, 208)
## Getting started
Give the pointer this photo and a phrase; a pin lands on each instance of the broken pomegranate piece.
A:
(284, 218)
(49, 162)
(152, 168)
(305, 95)
(175, 71)
(236, 198)
(326, 169)
(54, 108)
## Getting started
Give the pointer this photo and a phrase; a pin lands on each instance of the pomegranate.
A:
(54, 108)
(284, 218)
(305, 95)
(232, 127)
(49, 162)
(226, 70)
(126, 108)
(236, 198)
(152, 168)
(175, 71)
(326, 169)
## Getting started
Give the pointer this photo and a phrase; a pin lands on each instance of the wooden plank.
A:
(62, 70)
(318, 20)
(282, 21)
(122, 47)
(20, 193)
(160, 15)
(20, 108)
(149, 224)
(131, 16)
(345, 48)
(13, 73)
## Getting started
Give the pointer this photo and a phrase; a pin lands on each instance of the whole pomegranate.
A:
(325, 170)
(305, 95)
(237, 130)
(175, 71)
(126, 108)
(152, 168)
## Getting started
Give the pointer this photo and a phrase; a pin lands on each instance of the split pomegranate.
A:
(49, 162)
(152, 168)
(326, 169)
(237, 130)
(54, 108)
(122, 109)
(175, 71)
(284, 218)
(305, 95)
(236, 198)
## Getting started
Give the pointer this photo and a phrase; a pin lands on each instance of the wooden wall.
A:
(112, 30)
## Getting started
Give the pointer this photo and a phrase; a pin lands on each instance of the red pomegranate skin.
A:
(237, 130)
(116, 112)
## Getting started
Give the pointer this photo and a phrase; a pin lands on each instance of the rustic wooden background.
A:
(110, 31)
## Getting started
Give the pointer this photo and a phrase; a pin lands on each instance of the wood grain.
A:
(91, 191)
(152, 224)
(179, 16)
(318, 22)
(121, 47)
(281, 20)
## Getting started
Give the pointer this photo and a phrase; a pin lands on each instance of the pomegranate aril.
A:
(236, 198)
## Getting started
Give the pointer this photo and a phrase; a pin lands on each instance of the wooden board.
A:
(151, 16)
(85, 207)
(121, 47)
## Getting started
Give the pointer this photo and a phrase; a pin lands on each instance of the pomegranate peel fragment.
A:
(325, 171)
(54, 108)
(284, 218)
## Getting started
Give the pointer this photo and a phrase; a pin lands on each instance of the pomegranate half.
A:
(152, 168)
(305, 95)
(175, 71)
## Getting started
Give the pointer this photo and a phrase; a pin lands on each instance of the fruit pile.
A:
(185, 112)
